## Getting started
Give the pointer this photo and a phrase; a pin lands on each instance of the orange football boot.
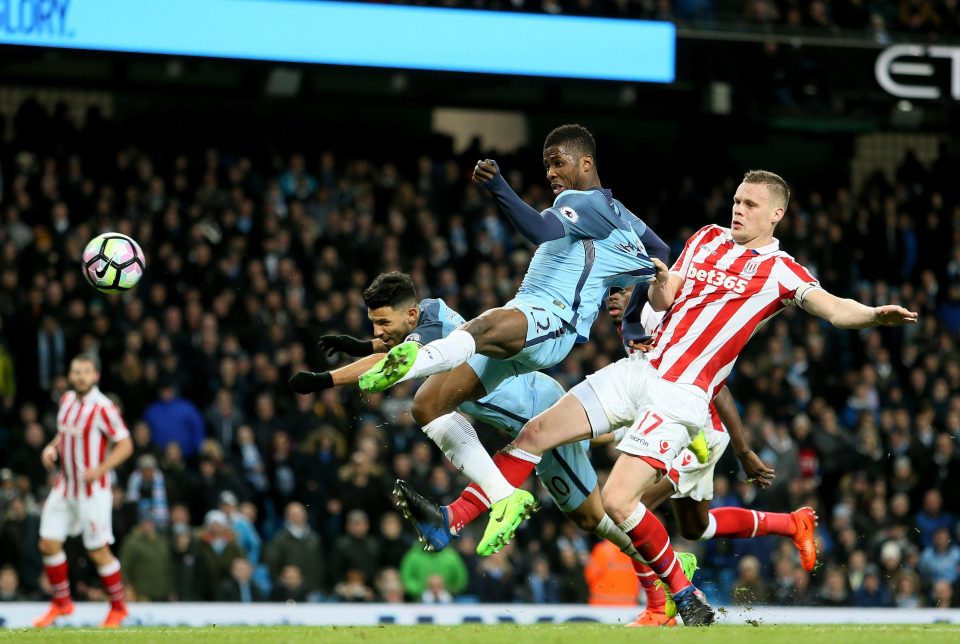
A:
(805, 520)
(652, 618)
(56, 610)
(115, 618)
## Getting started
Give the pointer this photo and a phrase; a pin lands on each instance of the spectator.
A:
(749, 588)
(246, 535)
(834, 590)
(10, 585)
(356, 550)
(191, 577)
(496, 580)
(419, 566)
(238, 587)
(942, 594)
(541, 585)
(147, 489)
(147, 563)
(932, 517)
(353, 588)
(389, 586)
(26, 458)
(610, 577)
(906, 589)
(299, 546)
(290, 587)
(218, 549)
(940, 561)
(436, 591)
(175, 419)
(872, 593)
(393, 543)
(570, 579)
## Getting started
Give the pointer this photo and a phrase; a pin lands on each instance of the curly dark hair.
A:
(390, 289)
(575, 138)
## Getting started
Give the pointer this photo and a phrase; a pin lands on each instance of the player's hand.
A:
(93, 475)
(347, 344)
(640, 346)
(893, 315)
(662, 274)
(308, 382)
(757, 472)
(485, 171)
(49, 457)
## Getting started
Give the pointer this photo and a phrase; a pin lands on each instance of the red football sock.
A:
(652, 542)
(656, 595)
(471, 503)
(113, 583)
(740, 523)
(56, 568)
(516, 470)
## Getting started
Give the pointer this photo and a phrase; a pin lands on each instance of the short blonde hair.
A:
(775, 183)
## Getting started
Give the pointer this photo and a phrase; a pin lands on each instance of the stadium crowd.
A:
(880, 21)
(239, 490)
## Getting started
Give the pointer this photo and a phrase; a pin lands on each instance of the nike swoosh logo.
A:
(106, 265)
(502, 515)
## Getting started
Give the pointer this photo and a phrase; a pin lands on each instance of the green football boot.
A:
(506, 516)
(688, 561)
(390, 369)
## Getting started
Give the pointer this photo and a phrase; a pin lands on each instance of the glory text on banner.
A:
(343, 33)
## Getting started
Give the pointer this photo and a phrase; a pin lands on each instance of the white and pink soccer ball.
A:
(112, 263)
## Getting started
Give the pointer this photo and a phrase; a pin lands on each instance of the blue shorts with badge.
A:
(566, 471)
(549, 340)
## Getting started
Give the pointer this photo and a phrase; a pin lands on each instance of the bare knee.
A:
(534, 437)
(618, 504)
(48, 547)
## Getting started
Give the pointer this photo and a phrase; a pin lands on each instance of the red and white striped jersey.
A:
(650, 320)
(85, 426)
(728, 293)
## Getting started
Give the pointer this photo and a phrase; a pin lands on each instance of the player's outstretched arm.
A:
(850, 314)
(754, 468)
(332, 344)
(119, 452)
(308, 382)
(538, 227)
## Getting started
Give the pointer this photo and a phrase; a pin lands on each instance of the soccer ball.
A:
(112, 263)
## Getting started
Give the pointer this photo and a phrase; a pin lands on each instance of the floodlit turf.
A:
(505, 634)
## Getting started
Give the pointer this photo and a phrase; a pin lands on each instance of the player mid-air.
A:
(587, 241)
(81, 502)
(397, 317)
(726, 284)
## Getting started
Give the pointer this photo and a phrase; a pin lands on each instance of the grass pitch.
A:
(504, 634)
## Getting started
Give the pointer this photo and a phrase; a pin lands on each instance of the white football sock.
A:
(457, 438)
(442, 355)
(609, 531)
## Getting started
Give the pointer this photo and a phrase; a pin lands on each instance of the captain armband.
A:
(800, 295)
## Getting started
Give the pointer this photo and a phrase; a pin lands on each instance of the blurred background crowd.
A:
(877, 20)
(241, 491)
